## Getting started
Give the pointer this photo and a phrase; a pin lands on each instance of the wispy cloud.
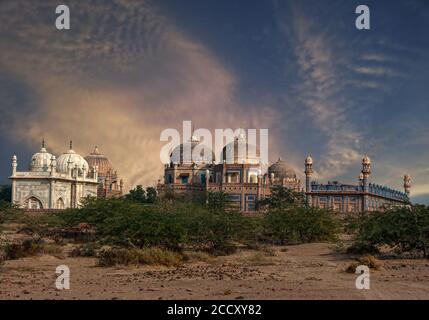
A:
(117, 79)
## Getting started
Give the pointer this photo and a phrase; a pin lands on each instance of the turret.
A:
(14, 165)
(407, 184)
(308, 173)
(366, 171)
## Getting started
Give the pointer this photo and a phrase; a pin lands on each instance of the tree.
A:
(138, 194)
(282, 198)
(218, 201)
(151, 195)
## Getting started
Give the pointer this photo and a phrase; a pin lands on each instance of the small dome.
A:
(309, 160)
(41, 161)
(178, 156)
(98, 159)
(73, 159)
(282, 170)
(366, 160)
(240, 152)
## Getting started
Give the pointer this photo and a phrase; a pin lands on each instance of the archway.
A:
(60, 204)
(33, 203)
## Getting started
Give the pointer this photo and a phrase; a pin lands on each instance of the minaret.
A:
(308, 173)
(14, 166)
(366, 171)
(407, 184)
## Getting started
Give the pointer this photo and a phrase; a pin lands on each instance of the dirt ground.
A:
(310, 271)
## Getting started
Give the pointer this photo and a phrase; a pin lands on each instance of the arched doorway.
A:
(60, 204)
(33, 203)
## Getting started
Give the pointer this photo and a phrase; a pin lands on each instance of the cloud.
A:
(320, 90)
(121, 75)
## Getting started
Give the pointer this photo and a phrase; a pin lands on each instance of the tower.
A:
(308, 173)
(14, 166)
(407, 184)
(366, 171)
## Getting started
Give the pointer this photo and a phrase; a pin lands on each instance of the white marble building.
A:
(53, 183)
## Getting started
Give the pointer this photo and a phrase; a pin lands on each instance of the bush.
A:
(170, 226)
(13, 251)
(85, 250)
(405, 230)
(300, 225)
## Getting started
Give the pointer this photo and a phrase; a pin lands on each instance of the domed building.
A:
(240, 173)
(283, 174)
(110, 186)
(53, 183)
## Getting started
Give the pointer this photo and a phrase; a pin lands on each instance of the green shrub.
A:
(405, 230)
(295, 224)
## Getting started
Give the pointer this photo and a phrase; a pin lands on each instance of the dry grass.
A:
(197, 256)
(259, 259)
(151, 256)
(28, 248)
(368, 260)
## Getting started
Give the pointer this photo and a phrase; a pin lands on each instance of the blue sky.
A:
(129, 69)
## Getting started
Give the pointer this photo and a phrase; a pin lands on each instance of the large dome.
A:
(72, 158)
(100, 160)
(41, 161)
(282, 170)
(238, 152)
(178, 156)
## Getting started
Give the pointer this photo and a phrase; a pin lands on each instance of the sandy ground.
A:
(311, 271)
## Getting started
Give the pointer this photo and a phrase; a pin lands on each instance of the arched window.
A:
(60, 204)
(33, 203)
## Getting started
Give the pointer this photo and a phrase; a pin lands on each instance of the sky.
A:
(126, 70)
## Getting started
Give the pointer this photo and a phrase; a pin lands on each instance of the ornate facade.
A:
(53, 183)
(241, 176)
(242, 179)
(110, 186)
(349, 198)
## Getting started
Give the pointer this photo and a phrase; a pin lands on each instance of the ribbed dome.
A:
(100, 160)
(240, 150)
(177, 156)
(41, 161)
(282, 170)
(74, 159)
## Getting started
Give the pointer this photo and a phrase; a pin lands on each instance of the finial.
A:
(71, 144)
(43, 143)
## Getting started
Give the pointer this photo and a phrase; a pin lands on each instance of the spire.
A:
(43, 143)
(71, 144)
